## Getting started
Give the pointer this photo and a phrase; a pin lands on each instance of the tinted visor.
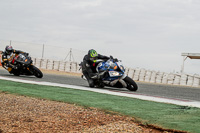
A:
(9, 51)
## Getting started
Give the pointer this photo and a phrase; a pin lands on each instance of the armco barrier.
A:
(136, 74)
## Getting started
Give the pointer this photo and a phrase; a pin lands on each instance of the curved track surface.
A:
(158, 90)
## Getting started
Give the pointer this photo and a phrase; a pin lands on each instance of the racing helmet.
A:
(92, 54)
(8, 50)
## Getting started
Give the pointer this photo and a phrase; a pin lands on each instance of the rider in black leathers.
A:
(89, 65)
(7, 57)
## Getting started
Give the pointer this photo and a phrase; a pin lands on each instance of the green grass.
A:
(164, 115)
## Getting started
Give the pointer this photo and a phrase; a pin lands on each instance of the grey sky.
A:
(148, 34)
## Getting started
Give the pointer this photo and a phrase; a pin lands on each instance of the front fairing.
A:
(115, 70)
(26, 60)
(115, 76)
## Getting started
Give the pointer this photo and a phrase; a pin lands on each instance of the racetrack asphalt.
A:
(149, 89)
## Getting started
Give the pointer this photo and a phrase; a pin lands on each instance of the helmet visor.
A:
(8, 51)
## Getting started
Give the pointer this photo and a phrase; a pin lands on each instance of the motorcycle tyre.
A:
(15, 72)
(36, 72)
(131, 85)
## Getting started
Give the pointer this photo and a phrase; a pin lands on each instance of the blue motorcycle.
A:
(112, 74)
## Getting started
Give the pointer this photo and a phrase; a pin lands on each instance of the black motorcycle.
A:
(23, 66)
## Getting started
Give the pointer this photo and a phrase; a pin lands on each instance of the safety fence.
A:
(49, 64)
(163, 78)
(136, 74)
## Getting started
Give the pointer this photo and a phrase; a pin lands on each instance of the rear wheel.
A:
(36, 72)
(131, 85)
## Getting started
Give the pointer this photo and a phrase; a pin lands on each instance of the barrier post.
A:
(0, 61)
(0, 58)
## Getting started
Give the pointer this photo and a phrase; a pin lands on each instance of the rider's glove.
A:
(26, 54)
(115, 60)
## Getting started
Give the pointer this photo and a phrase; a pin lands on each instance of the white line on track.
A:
(111, 92)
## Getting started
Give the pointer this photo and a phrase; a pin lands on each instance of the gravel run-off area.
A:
(25, 114)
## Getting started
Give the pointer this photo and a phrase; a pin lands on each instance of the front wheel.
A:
(16, 73)
(36, 72)
(131, 85)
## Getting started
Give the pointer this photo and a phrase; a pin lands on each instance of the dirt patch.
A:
(25, 114)
(60, 72)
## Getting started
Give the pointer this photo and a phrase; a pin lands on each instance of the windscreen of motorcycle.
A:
(121, 66)
(103, 66)
(113, 66)
(21, 57)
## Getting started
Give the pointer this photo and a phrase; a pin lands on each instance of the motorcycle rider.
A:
(89, 65)
(7, 57)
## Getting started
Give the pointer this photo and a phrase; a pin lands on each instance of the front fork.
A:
(121, 80)
(124, 76)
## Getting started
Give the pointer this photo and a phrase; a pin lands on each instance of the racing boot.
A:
(91, 83)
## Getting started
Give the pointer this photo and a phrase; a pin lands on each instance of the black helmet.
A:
(92, 54)
(9, 50)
